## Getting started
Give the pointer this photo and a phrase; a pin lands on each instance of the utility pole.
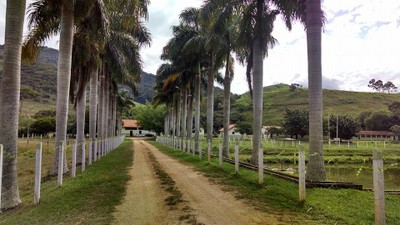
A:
(337, 126)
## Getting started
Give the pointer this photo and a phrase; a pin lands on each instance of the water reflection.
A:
(359, 174)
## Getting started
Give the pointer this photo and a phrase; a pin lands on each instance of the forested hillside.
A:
(39, 81)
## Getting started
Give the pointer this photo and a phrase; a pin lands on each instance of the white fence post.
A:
(38, 173)
(95, 144)
(1, 171)
(83, 156)
(302, 174)
(260, 165)
(90, 153)
(73, 167)
(209, 151)
(379, 188)
(237, 156)
(220, 154)
(60, 164)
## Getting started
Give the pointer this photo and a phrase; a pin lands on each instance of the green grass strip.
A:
(323, 206)
(90, 198)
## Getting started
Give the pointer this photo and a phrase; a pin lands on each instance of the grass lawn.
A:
(90, 198)
(325, 206)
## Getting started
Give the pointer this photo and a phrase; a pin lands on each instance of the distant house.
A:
(232, 131)
(374, 134)
(265, 130)
(201, 132)
(131, 128)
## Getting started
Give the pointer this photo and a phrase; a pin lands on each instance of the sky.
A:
(360, 41)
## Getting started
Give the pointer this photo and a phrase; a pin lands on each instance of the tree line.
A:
(99, 47)
(208, 40)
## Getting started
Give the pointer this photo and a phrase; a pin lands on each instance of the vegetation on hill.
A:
(278, 98)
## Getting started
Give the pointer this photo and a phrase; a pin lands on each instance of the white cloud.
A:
(360, 42)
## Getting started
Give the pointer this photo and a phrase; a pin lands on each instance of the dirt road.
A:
(144, 202)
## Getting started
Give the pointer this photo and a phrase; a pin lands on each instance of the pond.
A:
(358, 174)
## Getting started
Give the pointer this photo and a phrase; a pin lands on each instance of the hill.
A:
(39, 81)
(279, 97)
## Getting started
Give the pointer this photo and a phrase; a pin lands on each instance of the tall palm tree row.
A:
(314, 21)
(9, 101)
(122, 35)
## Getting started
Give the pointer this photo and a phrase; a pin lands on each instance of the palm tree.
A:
(257, 20)
(315, 168)
(9, 101)
(48, 17)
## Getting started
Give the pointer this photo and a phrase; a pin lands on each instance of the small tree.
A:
(294, 87)
(296, 122)
(396, 131)
(378, 121)
(347, 127)
(389, 87)
(375, 85)
(244, 127)
(44, 125)
(150, 118)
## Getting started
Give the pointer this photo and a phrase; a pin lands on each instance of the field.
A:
(77, 201)
(279, 97)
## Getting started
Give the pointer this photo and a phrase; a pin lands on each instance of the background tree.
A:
(396, 132)
(362, 117)
(150, 117)
(347, 127)
(376, 85)
(380, 121)
(389, 87)
(294, 87)
(296, 122)
(44, 125)
(244, 127)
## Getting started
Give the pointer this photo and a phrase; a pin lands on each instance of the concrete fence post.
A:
(1, 171)
(73, 167)
(237, 157)
(38, 174)
(60, 164)
(90, 151)
(209, 151)
(302, 174)
(95, 145)
(379, 188)
(260, 166)
(220, 154)
(83, 155)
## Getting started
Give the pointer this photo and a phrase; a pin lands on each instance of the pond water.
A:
(358, 174)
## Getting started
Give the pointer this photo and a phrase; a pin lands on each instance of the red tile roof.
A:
(133, 124)
(374, 133)
(231, 126)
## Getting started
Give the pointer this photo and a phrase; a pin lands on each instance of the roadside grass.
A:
(89, 198)
(323, 206)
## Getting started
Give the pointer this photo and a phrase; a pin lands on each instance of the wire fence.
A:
(36, 163)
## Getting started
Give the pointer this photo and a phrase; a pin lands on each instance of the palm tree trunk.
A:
(258, 86)
(190, 119)
(184, 117)
(227, 108)
(93, 107)
(210, 99)
(80, 127)
(100, 113)
(315, 168)
(178, 117)
(197, 111)
(114, 119)
(9, 101)
(63, 81)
